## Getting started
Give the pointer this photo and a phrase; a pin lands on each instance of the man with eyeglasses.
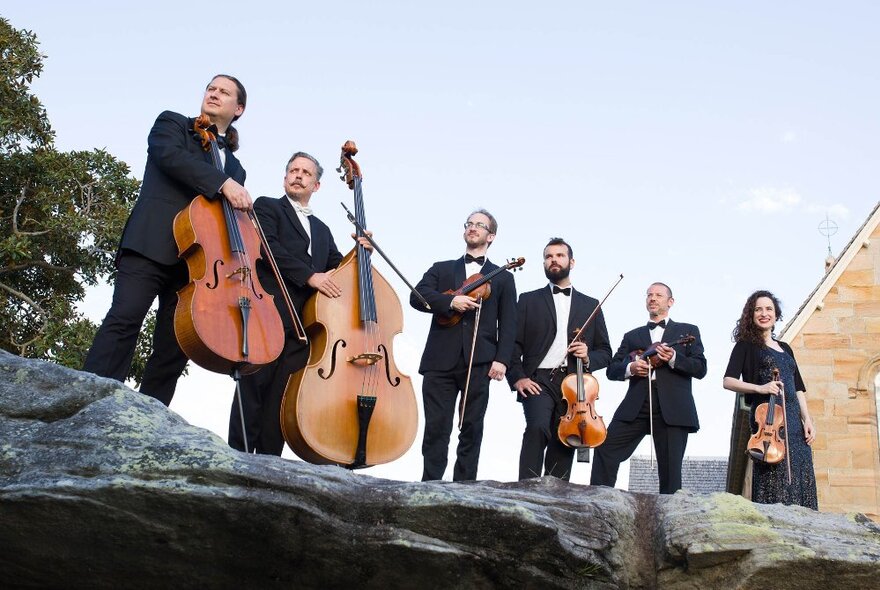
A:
(446, 362)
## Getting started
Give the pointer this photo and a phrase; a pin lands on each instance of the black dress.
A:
(770, 482)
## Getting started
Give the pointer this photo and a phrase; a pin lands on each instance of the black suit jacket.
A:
(497, 330)
(177, 171)
(536, 329)
(289, 244)
(673, 385)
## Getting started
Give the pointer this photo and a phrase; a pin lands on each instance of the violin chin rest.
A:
(756, 454)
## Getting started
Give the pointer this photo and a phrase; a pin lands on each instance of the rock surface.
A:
(102, 487)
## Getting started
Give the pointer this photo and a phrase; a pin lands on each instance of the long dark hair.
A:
(232, 132)
(746, 330)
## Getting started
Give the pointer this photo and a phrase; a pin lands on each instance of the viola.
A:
(650, 354)
(581, 426)
(767, 444)
(477, 287)
(224, 321)
(350, 405)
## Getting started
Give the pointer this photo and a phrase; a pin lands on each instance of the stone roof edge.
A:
(816, 299)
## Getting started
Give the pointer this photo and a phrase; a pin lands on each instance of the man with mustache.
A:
(447, 353)
(305, 252)
(547, 319)
(178, 170)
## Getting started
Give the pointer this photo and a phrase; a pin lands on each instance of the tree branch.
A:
(18, 201)
(22, 346)
(38, 263)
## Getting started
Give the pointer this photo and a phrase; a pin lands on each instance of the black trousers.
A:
(440, 394)
(624, 437)
(261, 395)
(139, 281)
(540, 444)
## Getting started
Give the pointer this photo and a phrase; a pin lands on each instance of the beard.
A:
(556, 275)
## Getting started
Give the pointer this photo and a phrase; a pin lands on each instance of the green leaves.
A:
(61, 215)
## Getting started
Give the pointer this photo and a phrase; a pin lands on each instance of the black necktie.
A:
(661, 323)
(565, 291)
(481, 260)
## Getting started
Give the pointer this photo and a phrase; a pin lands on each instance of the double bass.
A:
(350, 405)
(224, 321)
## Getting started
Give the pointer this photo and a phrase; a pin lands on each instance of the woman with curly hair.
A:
(749, 371)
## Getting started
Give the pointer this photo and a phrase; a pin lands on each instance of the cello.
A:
(224, 321)
(350, 405)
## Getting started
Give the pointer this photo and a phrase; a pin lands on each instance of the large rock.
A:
(102, 487)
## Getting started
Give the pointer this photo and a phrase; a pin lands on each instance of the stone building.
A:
(700, 475)
(835, 336)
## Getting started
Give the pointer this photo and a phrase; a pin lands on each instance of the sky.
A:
(694, 143)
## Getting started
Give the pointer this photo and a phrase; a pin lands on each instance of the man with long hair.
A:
(178, 170)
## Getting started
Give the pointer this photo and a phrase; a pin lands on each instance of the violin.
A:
(650, 354)
(350, 405)
(766, 445)
(224, 321)
(581, 426)
(477, 287)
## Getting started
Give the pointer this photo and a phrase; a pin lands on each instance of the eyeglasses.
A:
(477, 224)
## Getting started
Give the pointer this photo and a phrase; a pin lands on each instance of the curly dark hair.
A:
(746, 330)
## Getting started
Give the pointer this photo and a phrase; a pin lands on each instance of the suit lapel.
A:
(458, 273)
(645, 337)
(293, 218)
(547, 298)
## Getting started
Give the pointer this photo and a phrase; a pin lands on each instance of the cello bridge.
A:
(244, 271)
(365, 359)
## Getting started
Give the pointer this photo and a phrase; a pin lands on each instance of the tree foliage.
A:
(61, 215)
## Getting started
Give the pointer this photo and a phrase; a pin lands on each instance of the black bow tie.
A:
(565, 291)
(481, 260)
(661, 323)
(221, 142)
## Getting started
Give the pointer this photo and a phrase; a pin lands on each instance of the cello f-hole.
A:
(216, 272)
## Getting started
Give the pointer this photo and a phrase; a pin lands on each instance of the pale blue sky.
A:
(695, 143)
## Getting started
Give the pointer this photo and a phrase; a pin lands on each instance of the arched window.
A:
(877, 402)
